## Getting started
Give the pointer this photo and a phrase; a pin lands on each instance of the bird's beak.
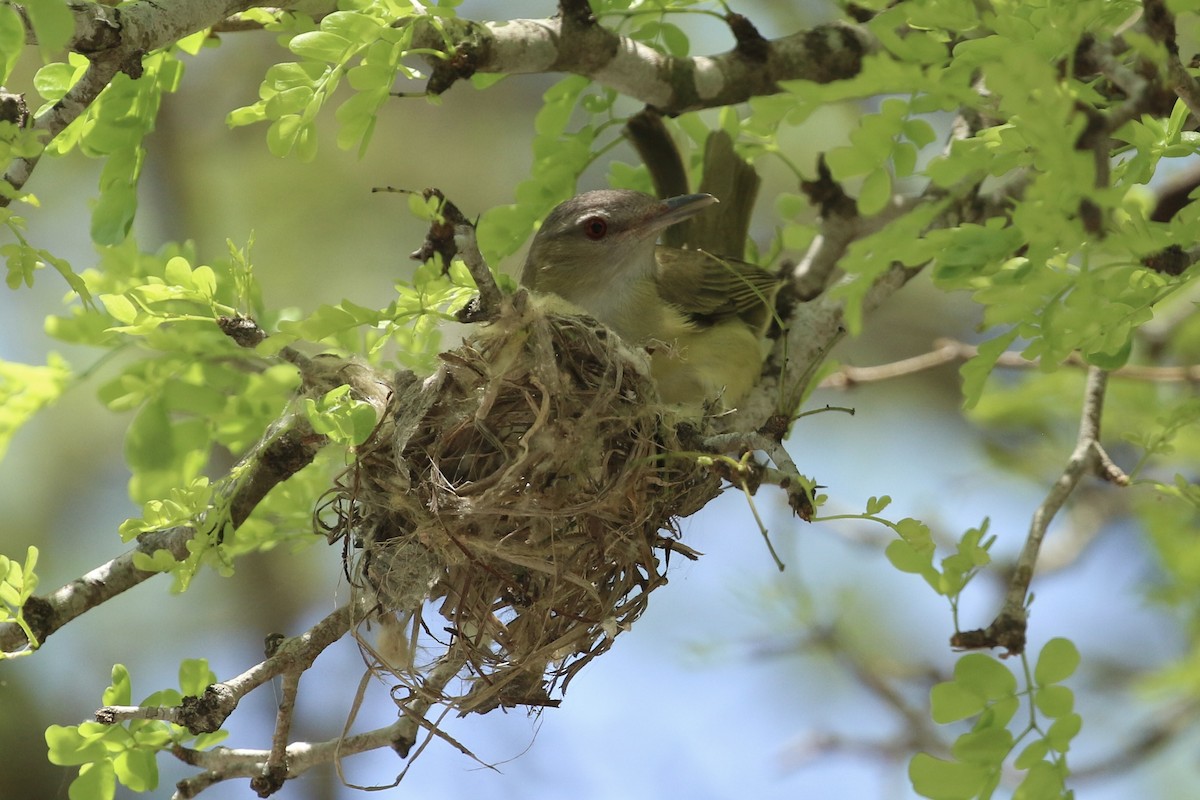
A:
(674, 209)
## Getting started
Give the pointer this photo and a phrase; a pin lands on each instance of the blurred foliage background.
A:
(739, 682)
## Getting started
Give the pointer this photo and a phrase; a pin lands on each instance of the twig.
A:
(283, 451)
(840, 225)
(1160, 23)
(1008, 629)
(948, 351)
(52, 121)
(452, 234)
(221, 764)
(289, 445)
(424, 698)
(787, 477)
(848, 376)
(274, 772)
(490, 297)
(209, 711)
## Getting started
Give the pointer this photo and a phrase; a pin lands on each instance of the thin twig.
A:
(490, 296)
(948, 351)
(221, 764)
(274, 772)
(1008, 629)
(209, 711)
(286, 448)
(1160, 23)
(787, 477)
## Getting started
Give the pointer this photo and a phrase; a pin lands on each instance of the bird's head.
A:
(602, 237)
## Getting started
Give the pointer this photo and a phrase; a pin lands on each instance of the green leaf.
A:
(985, 675)
(119, 307)
(950, 701)
(1054, 700)
(12, 40)
(120, 692)
(25, 389)
(876, 505)
(55, 80)
(904, 159)
(195, 676)
(1063, 730)
(283, 135)
(113, 214)
(341, 417)
(1033, 753)
(919, 132)
(96, 781)
(674, 40)
(161, 561)
(352, 26)
(148, 441)
(289, 101)
(945, 780)
(69, 748)
(1043, 782)
(1112, 360)
(137, 769)
(986, 746)
(848, 162)
(52, 23)
(907, 558)
(1058, 661)
(320, 46)
(975, 372)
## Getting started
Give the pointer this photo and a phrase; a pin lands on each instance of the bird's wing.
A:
(710, 289)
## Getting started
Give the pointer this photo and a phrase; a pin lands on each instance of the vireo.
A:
(702, 317)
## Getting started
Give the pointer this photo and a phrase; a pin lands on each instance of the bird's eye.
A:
(595, 227)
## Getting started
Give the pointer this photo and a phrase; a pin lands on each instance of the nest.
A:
(527, 493)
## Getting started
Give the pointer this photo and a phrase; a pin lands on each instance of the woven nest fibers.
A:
(531, 486)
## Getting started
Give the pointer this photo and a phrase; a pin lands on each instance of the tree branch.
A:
(949, 351)
(221, 764)
(1160, 24)
(281, 453)
(670, 85)
(1008, 629)
(208, 712)
(115, 39)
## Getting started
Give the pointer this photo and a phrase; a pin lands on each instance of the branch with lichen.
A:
(577, 43)
(114, 40)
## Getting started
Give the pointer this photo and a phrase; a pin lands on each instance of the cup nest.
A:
(527, 492)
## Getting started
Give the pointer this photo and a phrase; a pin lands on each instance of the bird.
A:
(701, 316)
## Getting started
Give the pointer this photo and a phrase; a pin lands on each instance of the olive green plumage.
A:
(701, 316)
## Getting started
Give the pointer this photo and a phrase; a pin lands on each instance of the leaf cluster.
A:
(985, 688)
(108, 754)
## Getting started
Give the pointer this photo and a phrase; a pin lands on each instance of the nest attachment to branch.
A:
(529, 488)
